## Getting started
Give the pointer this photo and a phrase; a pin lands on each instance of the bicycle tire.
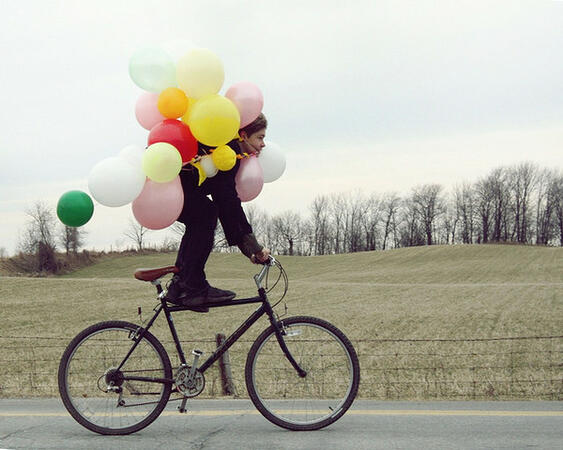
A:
(82, 378)
(316, 400)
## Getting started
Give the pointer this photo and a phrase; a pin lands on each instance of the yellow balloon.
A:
(186, 116)
(162, 162)
(224, 158)
(200, 171)
(214, 120)
(172, 103)
(199, 73)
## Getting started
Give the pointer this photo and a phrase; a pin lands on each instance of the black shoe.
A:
(215, 295)
(175, 290)
(197, 300)
(179, 294)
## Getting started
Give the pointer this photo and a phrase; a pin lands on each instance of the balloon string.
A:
(198, 158)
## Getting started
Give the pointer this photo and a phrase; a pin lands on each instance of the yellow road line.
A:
(355, 412)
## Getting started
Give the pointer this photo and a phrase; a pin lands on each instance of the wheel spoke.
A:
(319, 398)
(101, 397)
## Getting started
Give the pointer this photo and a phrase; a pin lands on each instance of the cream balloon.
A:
(115, 182)
(273, 162)
(162, 162)
(208, 166)
(199, 73)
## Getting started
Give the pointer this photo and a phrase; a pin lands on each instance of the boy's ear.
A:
(243, 134)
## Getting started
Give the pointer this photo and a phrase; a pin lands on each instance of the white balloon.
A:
(272, 160)
(133, 154)
(115, 182)
(208, 166)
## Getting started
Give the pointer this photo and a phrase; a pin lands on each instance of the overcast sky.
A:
(370, 95)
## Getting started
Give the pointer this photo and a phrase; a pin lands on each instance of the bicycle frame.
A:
(265, 308)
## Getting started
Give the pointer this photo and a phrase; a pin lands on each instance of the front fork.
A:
(280, 333)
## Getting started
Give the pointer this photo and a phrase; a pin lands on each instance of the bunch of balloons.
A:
(180, 107)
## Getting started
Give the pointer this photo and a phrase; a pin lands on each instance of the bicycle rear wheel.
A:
(102, 398)
(303, 403)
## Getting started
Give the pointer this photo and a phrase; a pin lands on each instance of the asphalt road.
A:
(235, 424)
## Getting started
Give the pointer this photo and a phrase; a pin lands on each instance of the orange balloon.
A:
(172, 103)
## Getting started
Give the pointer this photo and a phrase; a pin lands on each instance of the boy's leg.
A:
(200, 217)
(197, 243)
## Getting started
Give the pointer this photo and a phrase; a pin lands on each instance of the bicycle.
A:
(301, 373)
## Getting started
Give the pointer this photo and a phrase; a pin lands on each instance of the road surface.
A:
(235, 424)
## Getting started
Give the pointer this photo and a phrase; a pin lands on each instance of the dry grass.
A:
(394, 305)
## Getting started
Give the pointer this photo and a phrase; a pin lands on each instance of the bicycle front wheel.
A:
(319, 398)
(109, 397)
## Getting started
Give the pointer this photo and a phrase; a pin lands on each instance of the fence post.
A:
(227, 385)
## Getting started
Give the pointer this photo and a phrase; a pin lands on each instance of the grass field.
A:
(428, 322)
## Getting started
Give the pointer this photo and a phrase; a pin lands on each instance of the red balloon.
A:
(176, 133)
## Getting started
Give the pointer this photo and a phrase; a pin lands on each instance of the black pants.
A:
(200, 217)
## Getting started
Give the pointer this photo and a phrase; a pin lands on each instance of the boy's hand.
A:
(261, 257)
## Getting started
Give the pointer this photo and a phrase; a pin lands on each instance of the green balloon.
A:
(75, 208)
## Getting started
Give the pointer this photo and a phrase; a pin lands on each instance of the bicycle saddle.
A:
(153, 274)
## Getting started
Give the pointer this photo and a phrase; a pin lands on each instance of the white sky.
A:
(368, 95)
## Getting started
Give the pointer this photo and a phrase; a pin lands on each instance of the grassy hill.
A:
(392, 304)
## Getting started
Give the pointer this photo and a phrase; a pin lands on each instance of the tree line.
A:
(518, 204)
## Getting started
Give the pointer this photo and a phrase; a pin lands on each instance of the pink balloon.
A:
(159, 204)
(248, 100)
(146, 110)
(249, 179)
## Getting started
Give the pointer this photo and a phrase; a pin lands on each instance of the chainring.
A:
(186, 386)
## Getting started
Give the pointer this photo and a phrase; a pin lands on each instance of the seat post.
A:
(158, 285)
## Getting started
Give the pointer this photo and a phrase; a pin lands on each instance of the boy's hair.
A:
(256, 125)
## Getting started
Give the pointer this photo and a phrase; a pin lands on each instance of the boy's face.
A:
(255, 141)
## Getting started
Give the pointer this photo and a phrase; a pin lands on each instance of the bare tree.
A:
(449, 222)
(410, 231)
(71, 238)
(355, 210)
(372, 213)
(547, 192)
(288, 228)
(559, 206)
(390, 204)
(39, 237)
(501, 201)
(484, 201)
(429, 206)
(465, 207)
(320, 225)
(136, 233)
(521, 179)
(40, 229)
(338, 217)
